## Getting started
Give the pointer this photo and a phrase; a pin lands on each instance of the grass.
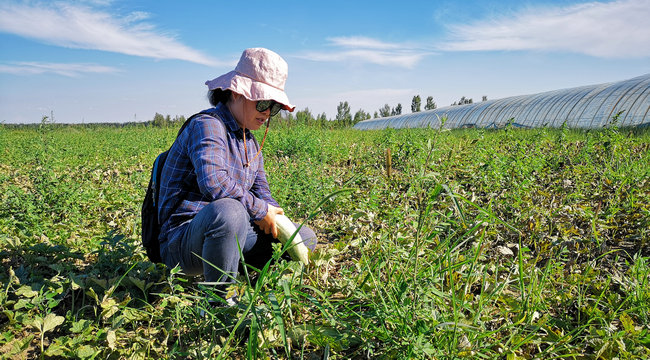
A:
(509, 244)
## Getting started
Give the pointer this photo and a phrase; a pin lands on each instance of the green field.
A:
(494, 244)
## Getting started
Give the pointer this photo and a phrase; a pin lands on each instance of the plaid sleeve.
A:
(215, 162)
(261, 185)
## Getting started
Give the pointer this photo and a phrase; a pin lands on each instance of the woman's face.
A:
(245, 112)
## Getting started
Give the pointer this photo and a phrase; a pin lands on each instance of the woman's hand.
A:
(267, 224)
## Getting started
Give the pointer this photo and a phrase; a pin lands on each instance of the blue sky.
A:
(118, 60)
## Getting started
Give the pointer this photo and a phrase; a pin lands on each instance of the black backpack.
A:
(149, 213)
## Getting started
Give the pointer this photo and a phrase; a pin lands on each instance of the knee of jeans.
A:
(230, 213)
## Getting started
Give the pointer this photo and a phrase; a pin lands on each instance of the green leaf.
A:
(26, 291)
(51, 321)
(627, 322)
(645, 340)
(21, 345)
(111, 338)
(21, 303)
(6, 337)
(139, 283)
(74, 285)
(109, 307)
(85, 352)
(55, 350)
(37, 322)
(101, 282)
(79, 326)
(91, 292)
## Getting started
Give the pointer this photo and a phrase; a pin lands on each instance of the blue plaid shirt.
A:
(206, 163)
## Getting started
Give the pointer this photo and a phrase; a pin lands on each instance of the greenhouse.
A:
(592, 106)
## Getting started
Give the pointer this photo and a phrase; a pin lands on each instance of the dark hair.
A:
(217, 96)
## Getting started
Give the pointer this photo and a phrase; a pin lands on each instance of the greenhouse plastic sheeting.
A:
(593, 106)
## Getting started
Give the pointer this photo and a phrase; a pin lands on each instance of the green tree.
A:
(415, 104)
(397, 110)
(463, 101)
(430, 105)
(179, 119)
(304, 117)
(159, 120)
(322, 120)
(384, 111)
(360, 116)
(343, 116)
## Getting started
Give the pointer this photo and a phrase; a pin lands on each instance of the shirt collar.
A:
(222, 112)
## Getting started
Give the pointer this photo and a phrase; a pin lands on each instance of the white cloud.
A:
(362, 42)
(615, 29)
(71, 70)
(365, 49)
(372, 56)
(83, 27)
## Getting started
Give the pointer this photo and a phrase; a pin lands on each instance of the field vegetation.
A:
(492, 244)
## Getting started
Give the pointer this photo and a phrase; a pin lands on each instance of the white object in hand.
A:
(297, 249)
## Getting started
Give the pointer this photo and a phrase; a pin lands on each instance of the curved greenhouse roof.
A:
(591, 106)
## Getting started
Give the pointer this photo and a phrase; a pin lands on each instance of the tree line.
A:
(344, 117)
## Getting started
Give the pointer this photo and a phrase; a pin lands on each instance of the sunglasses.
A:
(263, 105)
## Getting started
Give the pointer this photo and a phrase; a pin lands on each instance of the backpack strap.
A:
(160, 160)
(187, 122)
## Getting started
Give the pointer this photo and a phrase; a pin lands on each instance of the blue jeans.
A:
(209, 246)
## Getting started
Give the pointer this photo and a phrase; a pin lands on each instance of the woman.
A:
(214, 196)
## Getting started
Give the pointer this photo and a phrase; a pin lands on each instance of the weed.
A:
(511, 243)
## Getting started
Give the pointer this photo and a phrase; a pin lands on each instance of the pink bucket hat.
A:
(259, 75)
